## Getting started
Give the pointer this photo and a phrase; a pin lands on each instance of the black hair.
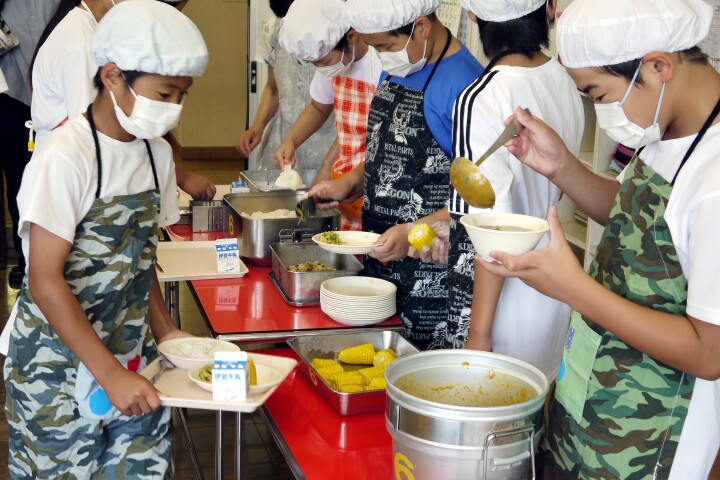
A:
(280, 7)
(627, 69)
(130, 77)
(407, 29)
(342, 44)
(525, 35)
(63, 8)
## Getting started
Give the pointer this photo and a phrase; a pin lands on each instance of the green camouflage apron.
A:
(61, 423)
(618, 413)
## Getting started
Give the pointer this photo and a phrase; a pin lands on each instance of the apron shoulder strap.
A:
(437, 64)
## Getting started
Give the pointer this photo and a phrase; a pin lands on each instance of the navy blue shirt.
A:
(453, 75)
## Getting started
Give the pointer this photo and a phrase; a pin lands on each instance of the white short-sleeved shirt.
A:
(366, 69)
(63, 73)
(267, 46)
(692, 216)
(59, 183)
(528, 325)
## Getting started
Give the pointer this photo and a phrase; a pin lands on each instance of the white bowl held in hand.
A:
(503, 232)
(187, 353)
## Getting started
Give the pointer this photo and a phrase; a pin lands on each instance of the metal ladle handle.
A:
(512, 129)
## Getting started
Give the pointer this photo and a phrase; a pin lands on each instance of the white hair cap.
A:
(596, 33)
(313, 28)
(501, 10)
(379, 16)
(151, 37)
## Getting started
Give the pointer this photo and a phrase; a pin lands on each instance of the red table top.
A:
(323, 443)
(252, 304)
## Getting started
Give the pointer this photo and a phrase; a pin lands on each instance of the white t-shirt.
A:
(63, 73)
(60, 182)
(366, 69)
(692, 216)
(528, 325)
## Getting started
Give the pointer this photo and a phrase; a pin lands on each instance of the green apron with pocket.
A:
(618, 413)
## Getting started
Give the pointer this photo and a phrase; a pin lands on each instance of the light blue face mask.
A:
(611, 118)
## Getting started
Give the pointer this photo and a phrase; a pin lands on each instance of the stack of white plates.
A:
(358, 300)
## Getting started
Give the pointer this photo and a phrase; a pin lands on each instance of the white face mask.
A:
(611, 118)
(339, 68)
(149, 118)
(398, 63)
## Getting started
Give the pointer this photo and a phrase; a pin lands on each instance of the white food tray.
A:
(182, 261)
(177, 390)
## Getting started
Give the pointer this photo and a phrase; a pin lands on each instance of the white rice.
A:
(197, 348)
(279, 213)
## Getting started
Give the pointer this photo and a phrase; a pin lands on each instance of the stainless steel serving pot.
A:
(464, 415)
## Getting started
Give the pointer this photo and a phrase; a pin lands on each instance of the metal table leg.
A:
(238, 446)
(172, 301)
(219, 473)
(189, 443)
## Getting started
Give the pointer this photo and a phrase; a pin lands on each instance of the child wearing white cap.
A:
(485, 312)
(284, 98)
(91, 310)
(405, 175)
(347, 74)
(637, 394)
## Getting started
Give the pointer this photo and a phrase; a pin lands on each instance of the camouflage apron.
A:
(406, 178)
(61, 423)
(619, 413)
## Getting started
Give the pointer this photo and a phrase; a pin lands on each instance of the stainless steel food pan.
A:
(256, 235)
(327, 346)
(304, 287)
(264, 180)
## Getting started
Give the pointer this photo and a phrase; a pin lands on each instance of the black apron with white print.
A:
(406, 178)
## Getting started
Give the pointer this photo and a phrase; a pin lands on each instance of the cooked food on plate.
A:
(332, 238)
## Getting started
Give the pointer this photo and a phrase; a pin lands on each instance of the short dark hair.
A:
(130, 77)
(342, 43)
(280, 7)
(526, 35)
(627, 69)
(407, 29)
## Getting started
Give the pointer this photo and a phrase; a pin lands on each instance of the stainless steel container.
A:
(442, 416)
(264, 180)
(256, 235)
(328, 346)
(303, 288)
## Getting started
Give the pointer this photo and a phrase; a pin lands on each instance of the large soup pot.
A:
(464, 415)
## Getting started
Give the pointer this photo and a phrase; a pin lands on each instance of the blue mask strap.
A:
(631, 84)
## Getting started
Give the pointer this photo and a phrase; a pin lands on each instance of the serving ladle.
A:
(467, 178)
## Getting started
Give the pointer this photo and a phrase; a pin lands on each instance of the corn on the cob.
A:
(253, 372)
(358, 355)
(323, 362)
(377, 383)
(421, 235)
(328, 372)
(352, 388)
(346, 378)
(371, 373)
(383, 358)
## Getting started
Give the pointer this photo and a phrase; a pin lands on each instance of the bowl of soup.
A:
(503, 232)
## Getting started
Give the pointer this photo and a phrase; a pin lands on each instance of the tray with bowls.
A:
(350, 242)
(358, 300)
(180, 387)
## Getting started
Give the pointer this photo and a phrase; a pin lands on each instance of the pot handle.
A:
(499, 462)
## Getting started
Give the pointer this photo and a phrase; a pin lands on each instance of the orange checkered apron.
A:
(352, 106)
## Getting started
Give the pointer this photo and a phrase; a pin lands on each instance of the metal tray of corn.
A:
(327, 347)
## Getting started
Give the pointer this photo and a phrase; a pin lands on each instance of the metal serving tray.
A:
(256, 235)
(327, 346)
(303, 288)
(264, 180)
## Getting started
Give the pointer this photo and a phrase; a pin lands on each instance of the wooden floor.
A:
(261, 458)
